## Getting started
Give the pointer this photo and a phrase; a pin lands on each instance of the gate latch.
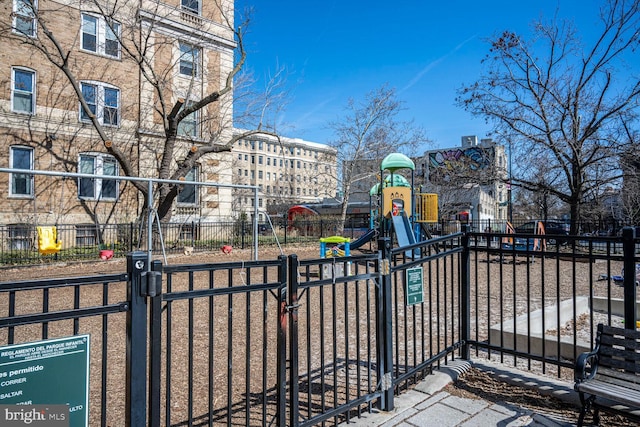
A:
(151, 283)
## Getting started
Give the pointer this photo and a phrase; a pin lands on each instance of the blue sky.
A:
(339, 49)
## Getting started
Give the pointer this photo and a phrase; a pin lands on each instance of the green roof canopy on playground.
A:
(395, 161)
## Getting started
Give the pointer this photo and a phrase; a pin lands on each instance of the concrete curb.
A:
(405, 403)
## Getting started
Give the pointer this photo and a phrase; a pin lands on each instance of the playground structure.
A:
(525, 243)
(403, 213)
(394, 210)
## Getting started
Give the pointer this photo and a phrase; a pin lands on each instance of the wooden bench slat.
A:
(632, 368)
(620, 378)
(625, 344)
(632, 334)
(611, 391)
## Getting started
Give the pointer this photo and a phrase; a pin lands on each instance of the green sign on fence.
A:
(414, 286)
(50, 372)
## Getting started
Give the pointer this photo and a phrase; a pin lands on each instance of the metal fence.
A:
(536, 305)
(306, 342)
(81, 242)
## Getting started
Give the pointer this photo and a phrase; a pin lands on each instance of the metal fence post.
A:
(629, 277)
(155, 350)
(282, 343)
(136, 370)
(465, 293)
(292, 310)
(384, 339)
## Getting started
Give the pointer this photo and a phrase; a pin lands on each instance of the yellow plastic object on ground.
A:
(47, 240)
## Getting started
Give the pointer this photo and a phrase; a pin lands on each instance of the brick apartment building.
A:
(287, 171)
(134, 67)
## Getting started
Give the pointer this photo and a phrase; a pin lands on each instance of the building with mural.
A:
(470, 180)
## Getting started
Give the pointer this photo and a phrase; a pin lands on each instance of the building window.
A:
(259, 174)
(259, 160)
(98, 188)
(20, 238)
(189, 59)
(86, 235)
(188, 126)
(188, 194)
(24, 17)
(103, 102)
(268, 161)
(23, 92)
(192, 6)
(188, 232)
(21, 183)
(100, 36)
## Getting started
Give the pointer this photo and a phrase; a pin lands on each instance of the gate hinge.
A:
(151, 285)
(385, 266)
(387, 382)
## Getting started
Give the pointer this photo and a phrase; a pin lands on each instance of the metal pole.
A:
(136, 367)
(150, 224)
(465, 293)
(629, 277)
(255, 224)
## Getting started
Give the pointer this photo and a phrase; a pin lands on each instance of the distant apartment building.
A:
(287, 171)
(186, 50)
(469, 178)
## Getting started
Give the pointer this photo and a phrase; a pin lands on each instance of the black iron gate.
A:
(284, 342)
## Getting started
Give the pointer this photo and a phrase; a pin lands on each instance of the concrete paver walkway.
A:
(428, 404)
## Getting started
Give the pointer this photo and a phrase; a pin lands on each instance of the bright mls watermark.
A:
(34, 415)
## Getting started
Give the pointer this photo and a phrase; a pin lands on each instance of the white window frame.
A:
(187, 5)
(190, 56)
(103, 33)
(21, 11)
(99, 162)
(191, 176)
(29, 178)
(99, 102)
(191, 121)
(15, 90)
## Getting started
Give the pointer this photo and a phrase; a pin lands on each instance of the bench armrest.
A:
(586, 366)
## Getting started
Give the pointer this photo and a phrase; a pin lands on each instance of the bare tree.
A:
(631, 186)
(369, 131)
(163, 117)
(560, 101)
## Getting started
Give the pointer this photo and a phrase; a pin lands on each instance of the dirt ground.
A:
(482, 385)
(558, 285)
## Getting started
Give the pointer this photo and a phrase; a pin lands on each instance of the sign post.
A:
(414, 291)
(50, 372)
